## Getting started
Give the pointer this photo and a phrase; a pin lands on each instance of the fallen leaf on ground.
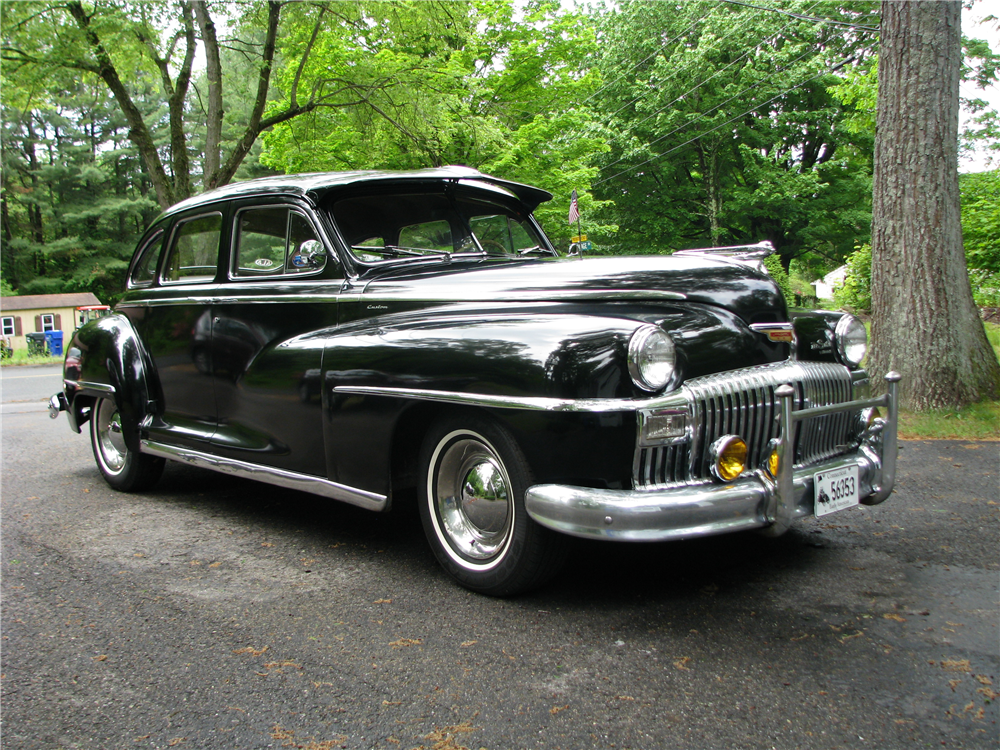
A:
(406, 642)
(956, 665)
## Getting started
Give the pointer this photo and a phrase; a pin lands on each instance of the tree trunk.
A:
(924, 323)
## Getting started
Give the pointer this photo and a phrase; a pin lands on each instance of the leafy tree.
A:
(73, 198)
(725, 129)
(924, 321)
(446, 83)
(121, 43)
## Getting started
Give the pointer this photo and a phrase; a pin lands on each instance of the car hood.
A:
(722, 282)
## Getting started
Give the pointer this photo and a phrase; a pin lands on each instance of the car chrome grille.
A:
(742, 402)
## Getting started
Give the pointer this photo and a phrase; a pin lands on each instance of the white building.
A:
(826, 285)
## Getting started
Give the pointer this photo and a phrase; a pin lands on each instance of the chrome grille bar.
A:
(743, 402)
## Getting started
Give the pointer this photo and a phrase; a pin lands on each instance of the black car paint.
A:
(278, 349)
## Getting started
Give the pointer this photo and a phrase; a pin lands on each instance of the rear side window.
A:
(275, 241)
(145, 269)
(194, 250)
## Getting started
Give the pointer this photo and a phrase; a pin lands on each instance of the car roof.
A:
(317, 184)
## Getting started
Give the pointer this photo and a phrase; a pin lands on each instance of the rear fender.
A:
(105, 359)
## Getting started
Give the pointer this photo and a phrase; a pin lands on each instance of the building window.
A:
(8, 326)
(48, 322)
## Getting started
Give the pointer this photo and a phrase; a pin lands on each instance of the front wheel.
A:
(473, 481)
(122, 468)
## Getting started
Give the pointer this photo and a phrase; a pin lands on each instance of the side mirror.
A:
(310, 255)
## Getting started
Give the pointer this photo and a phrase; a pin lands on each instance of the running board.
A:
(280, 477)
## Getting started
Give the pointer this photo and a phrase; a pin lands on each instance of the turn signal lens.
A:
(729, 457)
(772, 463)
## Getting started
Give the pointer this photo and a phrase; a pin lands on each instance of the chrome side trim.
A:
(531, 403)
(85, 385)
(607, 295)
(279, 477)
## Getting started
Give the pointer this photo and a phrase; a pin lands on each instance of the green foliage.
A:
(773, 265)
(725, 131)
(856, 293)
(981, 219)
(428, 84)
(858, 92)
(985, 287)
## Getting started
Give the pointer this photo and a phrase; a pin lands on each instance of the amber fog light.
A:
(729, 457)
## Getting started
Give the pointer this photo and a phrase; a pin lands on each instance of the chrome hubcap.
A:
(472, 499)
(110, 440)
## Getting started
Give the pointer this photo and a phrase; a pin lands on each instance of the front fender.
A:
(105, 359)
(509, 356)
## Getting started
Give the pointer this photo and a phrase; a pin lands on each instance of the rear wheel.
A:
(474, 477)
(122, 468)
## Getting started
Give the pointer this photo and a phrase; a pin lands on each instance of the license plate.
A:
(835, 490)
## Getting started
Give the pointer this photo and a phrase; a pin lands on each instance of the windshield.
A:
(405, 225)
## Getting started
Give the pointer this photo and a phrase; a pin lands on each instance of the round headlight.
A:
(651, 358)
(852, 340)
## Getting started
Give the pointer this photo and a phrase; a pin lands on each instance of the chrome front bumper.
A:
(754, 501)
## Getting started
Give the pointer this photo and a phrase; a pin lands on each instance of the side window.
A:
(194, 250)
(275, 241)
(8, 326)
(260, 241)
(500, 232)
(145, 269)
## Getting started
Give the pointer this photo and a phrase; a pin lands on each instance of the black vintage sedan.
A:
(361, 334)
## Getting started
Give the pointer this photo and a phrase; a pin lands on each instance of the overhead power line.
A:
(706, 113)
(677, 71)
(656, 157)
(803, 17)
(646, 59)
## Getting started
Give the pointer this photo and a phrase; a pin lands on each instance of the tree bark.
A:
(213, 71)
(924, 323)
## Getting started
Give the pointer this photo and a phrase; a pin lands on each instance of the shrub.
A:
(856, 291)
(773, 265)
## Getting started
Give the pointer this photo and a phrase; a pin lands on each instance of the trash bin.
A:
(54, 341)
(36, 344)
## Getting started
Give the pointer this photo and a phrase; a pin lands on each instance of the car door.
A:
(282, 284)
(170, 306)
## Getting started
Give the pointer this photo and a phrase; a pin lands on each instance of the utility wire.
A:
(703, 115)
(647, 59)
(803, 17)
(717, 127)
(763, 41)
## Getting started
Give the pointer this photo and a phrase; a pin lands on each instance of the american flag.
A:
(574, 209)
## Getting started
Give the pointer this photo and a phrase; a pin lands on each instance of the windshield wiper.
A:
(394, 251)
(536, 249)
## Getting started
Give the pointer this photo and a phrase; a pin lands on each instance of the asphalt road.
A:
(214, 612)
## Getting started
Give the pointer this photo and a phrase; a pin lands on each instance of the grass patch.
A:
(975, 422)
(20, 357)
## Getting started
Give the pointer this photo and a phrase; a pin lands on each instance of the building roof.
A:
(47, 301)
